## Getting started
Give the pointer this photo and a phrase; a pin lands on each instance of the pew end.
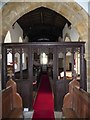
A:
(11, 102)
(76, 103)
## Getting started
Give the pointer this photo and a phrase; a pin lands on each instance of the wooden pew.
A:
(76, 103)
(81, 103)
(11, 102)
(68, 98)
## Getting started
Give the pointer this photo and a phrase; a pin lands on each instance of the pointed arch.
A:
(11, 12)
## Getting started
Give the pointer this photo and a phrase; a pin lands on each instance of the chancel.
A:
(45, 61)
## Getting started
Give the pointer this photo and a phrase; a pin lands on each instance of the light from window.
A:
(8, 37)
(9, 58)
(43, 59)
(20, 39)
(23, 58)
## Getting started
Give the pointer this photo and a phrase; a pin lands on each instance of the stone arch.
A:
(70, 10)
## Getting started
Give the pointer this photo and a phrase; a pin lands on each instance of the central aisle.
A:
(44, 103)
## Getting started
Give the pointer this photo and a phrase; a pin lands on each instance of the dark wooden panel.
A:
(61, 89)
(60, 44)
(55, 73)
(24, 88)
(4, 68)
(82, 68)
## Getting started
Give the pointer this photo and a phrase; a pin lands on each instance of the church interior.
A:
(45, 70)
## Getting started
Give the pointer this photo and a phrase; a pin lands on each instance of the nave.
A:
(43, 107)
(67, 55)
(44, 103)
(76, 102)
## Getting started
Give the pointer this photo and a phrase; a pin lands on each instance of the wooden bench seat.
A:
(76, 103)
(11, 102)
(69, 113)
(16, 113)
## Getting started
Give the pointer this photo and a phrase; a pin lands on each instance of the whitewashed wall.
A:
(15, 34)
(71, 32)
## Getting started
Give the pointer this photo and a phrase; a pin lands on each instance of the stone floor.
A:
(58, 115)
(29, 115)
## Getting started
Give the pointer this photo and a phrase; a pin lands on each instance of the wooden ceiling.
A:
(42, 24)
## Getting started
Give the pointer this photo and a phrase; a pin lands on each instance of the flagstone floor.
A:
(30, 114)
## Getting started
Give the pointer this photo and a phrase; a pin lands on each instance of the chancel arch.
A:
(14, 12)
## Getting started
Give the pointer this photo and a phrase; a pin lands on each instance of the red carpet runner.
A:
(44, 104)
